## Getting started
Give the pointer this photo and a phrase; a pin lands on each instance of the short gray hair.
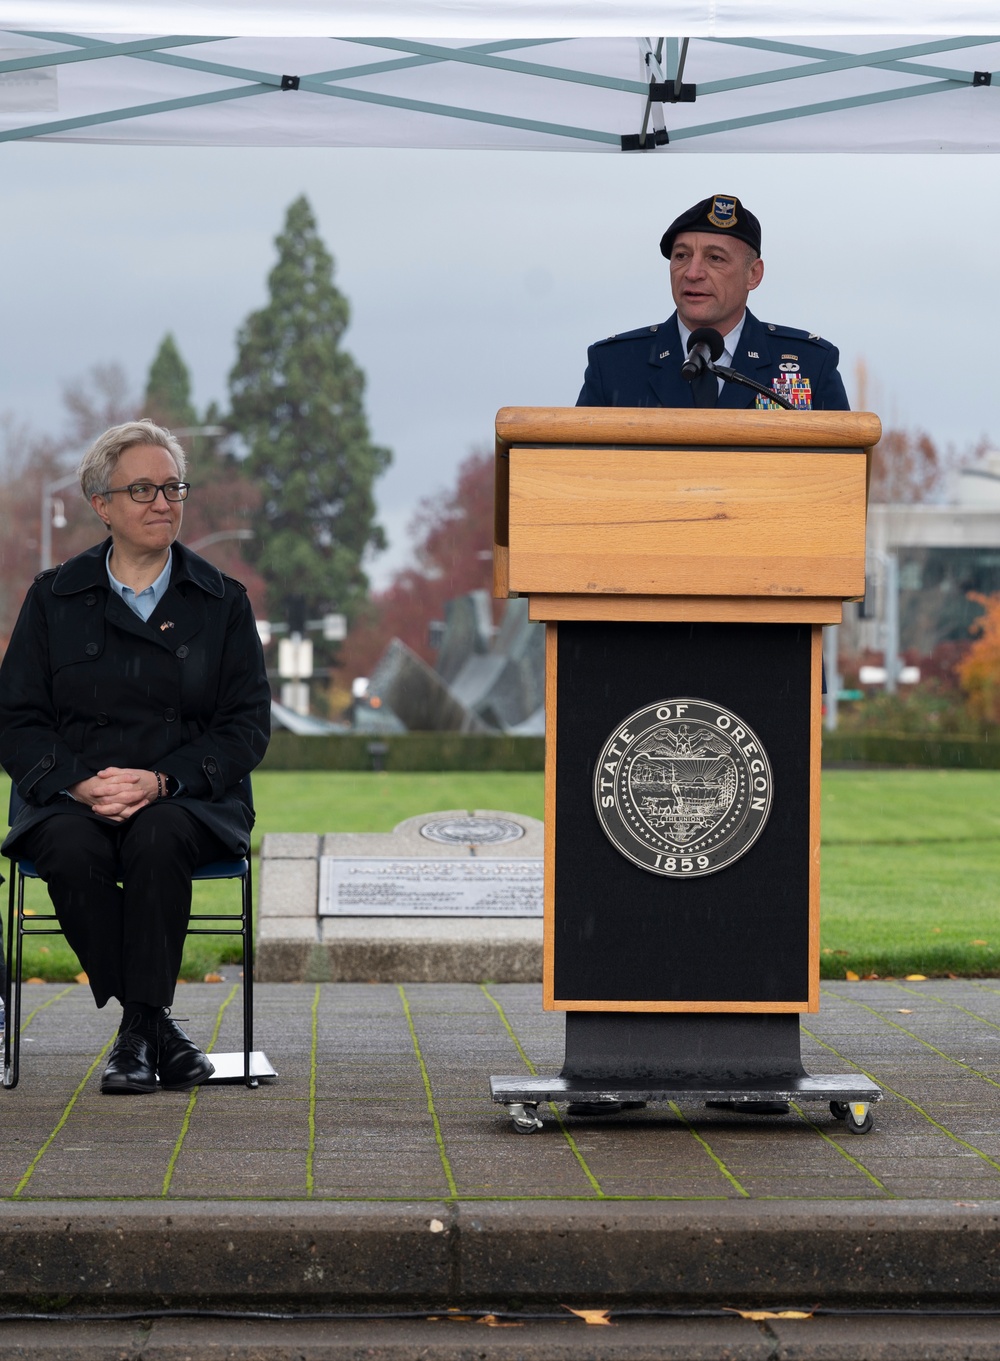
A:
(101, 459)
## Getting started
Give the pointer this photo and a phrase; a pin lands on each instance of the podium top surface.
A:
(645, 426)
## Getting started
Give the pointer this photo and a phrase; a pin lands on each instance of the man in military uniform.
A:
(715, 264)
(714, 254)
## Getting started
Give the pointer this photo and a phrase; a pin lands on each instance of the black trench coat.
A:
(86, 683)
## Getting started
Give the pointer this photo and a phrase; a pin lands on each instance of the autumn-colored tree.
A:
(453, 537)
(979, 669)
(30, 462)
(908, 468)
(95, 403)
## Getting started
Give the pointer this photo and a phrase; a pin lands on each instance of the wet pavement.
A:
(377, 1174)
(383, 1095)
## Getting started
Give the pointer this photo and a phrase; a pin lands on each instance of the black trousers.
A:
(129, 937)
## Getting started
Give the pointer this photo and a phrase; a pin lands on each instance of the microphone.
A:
(705, 345)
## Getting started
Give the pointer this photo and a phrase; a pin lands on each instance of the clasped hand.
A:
(116, 793)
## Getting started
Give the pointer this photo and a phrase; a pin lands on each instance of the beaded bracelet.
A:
(161, 785)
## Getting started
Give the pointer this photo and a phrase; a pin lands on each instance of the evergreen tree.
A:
(225, 501)
(296, 400)
(168, 388)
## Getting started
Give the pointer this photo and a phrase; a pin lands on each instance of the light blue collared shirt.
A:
(146, 601)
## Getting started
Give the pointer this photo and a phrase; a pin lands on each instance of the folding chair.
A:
(19, 925)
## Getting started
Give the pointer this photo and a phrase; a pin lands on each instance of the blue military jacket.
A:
(643, 368)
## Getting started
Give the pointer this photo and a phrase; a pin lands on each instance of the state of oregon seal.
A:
(683, 787)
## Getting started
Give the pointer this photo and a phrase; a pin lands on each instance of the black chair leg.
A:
(12, 1035)
(248, 953)
(9, 972)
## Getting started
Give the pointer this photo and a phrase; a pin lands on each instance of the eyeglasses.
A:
(143, 492)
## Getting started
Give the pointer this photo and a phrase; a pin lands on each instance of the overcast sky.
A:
(477, 280)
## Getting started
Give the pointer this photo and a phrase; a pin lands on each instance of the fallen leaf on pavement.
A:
(591, 1315)
(757, 1315)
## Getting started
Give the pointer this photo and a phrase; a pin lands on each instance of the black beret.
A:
(722, 213)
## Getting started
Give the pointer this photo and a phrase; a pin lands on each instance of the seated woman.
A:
(133, 701)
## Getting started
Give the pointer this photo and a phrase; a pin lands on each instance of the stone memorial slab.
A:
(452, 896)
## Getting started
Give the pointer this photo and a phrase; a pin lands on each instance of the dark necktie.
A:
(705, 388)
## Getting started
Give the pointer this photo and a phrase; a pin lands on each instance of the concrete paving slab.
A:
(382, 1108)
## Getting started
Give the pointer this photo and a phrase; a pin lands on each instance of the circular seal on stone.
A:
(471, 831)
(683, 788)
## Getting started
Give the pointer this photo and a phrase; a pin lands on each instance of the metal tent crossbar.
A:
(601, 93)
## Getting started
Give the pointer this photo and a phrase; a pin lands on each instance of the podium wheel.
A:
(523, 1117)
(859, 1118)
(838, 1109)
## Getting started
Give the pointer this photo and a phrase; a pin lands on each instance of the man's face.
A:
(711, 277)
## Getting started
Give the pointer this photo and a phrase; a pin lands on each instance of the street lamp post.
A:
(49, 490)
(219, 536)
(831, 657)
(890, 569)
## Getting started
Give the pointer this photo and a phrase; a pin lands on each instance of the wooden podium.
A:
(684, 564)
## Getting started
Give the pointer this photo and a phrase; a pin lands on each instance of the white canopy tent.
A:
(514, 74)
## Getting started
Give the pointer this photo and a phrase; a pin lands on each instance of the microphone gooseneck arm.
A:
(731, 376)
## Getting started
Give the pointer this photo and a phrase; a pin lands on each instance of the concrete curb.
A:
(59, 1256)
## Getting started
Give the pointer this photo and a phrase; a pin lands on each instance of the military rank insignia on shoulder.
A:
(793, 333)
(640, 333)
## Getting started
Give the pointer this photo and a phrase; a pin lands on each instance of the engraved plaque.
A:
(390, 886)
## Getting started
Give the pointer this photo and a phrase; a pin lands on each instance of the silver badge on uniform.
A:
(789, 368)
(683, 788)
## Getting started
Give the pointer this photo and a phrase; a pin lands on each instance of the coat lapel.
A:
(753, 355)
(178, 616)
(667, 387)
(665, 359)
(753, 358)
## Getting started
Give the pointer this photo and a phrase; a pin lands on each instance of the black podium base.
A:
(613, 1058)
(686, 1047)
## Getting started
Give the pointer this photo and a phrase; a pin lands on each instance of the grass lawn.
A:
(911, 859)
(911, 872)
(357, 801)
